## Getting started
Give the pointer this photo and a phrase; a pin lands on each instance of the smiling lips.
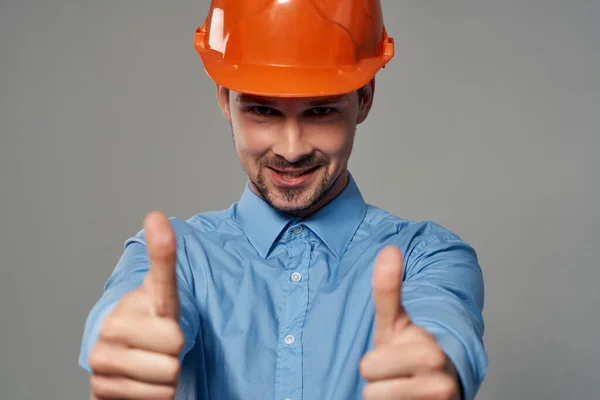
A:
(292, 178)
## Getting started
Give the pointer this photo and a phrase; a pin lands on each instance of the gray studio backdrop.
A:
(487, 121)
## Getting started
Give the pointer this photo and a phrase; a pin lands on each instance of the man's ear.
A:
(223, 98)
(366, 95)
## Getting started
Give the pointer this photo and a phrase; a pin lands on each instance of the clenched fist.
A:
(136, 355)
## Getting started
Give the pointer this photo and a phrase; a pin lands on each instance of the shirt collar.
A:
(335, 224)
(261, 223)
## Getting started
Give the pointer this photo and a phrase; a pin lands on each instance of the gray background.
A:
(486, 122)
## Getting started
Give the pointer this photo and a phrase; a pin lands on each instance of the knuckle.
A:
(434, 359)
(111, 327)
(97, 358)
(445, 388)
(174, 332)
(172, 370)
(170, 393)
(178, 340)
(368, 393)
(364, 366)
(99, 387)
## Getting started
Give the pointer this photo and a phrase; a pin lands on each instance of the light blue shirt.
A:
(275, 307)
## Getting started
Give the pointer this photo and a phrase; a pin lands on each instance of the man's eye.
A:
(262, 111)
(321, 111)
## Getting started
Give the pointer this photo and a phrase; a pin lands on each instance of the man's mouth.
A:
(294, 173)
(291, 178)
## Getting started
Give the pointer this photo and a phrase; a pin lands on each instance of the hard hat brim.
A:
(279, 81)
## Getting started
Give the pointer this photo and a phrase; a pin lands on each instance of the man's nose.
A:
(292, 144)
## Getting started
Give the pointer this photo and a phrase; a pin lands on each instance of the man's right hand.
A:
(136, 354)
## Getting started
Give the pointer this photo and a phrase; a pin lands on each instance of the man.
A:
(300, 290)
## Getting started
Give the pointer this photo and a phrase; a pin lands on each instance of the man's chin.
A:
(292, 200)
(281, 202)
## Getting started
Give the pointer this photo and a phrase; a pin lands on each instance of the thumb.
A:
(387, 283)
(161, 280)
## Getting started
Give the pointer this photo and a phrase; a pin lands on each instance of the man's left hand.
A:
(406, 362)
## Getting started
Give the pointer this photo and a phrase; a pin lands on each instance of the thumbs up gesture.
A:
(136, 354)
(406, 362)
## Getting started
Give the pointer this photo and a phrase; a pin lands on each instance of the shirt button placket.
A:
(289, 373)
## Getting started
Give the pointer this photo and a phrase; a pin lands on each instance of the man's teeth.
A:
(291, 174)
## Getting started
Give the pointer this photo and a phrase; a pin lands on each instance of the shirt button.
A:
(296, 277)
(289, 339)
(298, 230)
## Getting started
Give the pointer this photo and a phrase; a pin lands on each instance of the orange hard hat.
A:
(293, 48)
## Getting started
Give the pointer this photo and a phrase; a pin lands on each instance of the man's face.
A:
(295, 151)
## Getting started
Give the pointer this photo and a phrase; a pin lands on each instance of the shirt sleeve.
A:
(128, 275)
(443, 292)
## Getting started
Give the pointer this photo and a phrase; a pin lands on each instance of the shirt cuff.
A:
(455, 351)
